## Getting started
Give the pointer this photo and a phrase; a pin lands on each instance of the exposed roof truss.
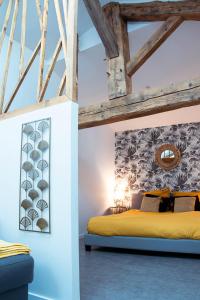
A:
(125, 104)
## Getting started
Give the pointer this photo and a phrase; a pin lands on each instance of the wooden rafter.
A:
(161, 11)
(65, 10)
(147, 103)
(62, 84)
(50, 70)
(157, 39)
(61, 30)
(103, 27)
(39, 12)
(43, 47)
(9, 50)
(72, 51)
(5, 24)
(119, 82)
(67, 31)
(16, 89)
(23, 37)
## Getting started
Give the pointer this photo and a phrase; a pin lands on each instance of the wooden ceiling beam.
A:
(119, 83)
(155, 41)
(139, 105)
(161, 11)
(103, 27)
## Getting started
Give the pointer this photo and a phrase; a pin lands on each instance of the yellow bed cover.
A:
(182, 225)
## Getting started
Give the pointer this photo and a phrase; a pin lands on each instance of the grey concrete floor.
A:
(108, 274)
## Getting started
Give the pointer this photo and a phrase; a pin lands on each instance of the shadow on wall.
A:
(96, 172)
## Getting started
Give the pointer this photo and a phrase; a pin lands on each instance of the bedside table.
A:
(117, 209)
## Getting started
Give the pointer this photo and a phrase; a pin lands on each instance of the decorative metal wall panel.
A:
(34, 210)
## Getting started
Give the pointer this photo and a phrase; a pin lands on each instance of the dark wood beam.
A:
(161, 11)
(139, 105)
(155, 41)
(119, 82)
(103, 27)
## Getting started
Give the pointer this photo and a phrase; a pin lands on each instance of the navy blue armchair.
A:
(16, 272)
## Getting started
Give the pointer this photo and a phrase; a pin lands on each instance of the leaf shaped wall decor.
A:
(27, 166)
(42, 165)
(35, 135)
(25, 221)
(33, 194)
(42, 205)
(42, 224)
(26, 204)
(42, 185)
(28, 129)
(27, 148)
(35, 155)
(43, 125)
(33, 174)
(43, 145)
(26, 185)
(33, 214)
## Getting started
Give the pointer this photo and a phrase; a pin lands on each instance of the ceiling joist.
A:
(127, 105)
(155, 41)
(161, 11)
(146, 103)
(119, 82)
(103, 27)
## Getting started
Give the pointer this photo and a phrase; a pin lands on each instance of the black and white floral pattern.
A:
(135, 157)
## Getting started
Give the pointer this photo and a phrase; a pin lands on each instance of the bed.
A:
(134, 229)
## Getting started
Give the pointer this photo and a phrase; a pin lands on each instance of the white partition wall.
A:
(56, 254)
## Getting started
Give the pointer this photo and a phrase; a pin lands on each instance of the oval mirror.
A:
(167, 156)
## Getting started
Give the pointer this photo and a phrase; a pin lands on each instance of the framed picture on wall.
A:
(34, 204)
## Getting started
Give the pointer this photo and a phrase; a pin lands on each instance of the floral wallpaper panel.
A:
(135, 157)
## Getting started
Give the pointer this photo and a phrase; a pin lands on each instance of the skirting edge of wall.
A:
(81, 236)
(32, 296)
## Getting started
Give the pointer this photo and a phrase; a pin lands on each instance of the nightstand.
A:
(118, 209)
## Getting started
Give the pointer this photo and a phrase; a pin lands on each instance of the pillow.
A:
(197, 203)
(182, 204)
(166, 203)
(150, 204)
(137, 200)
(165, 192)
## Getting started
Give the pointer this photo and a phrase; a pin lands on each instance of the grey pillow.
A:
(150, 204)
(137, 200)
(182, 204)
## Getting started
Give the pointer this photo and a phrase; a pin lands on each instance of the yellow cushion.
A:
(165, 192)
(189, 194)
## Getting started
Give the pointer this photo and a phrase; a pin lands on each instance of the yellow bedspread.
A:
(10, 249)
(184, 225)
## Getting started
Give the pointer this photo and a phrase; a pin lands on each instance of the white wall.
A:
(56, 254)
(96, 177)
